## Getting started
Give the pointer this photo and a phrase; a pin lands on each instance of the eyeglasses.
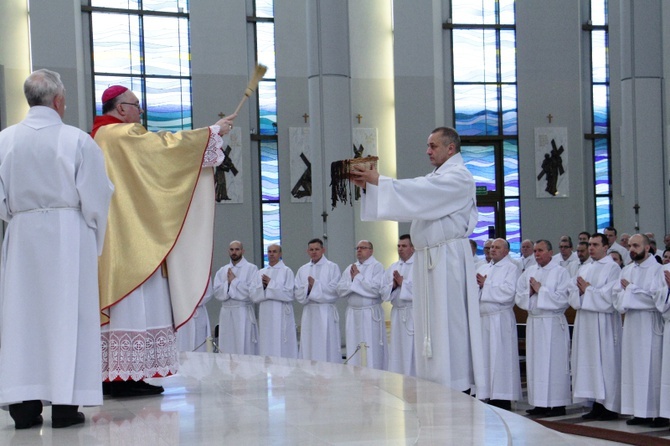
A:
(139, 107)
(362, 247)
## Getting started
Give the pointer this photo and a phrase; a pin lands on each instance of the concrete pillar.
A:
(330, 119)
(642, 116)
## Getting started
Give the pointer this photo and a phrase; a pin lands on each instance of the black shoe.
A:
(593, 415)
(660, 422)
(503, 404)
(596, 411)
(608, 415)
(26, 414)
(637, 421)
(59, 422)
(538, 411)
(556, 411)
(134, 388)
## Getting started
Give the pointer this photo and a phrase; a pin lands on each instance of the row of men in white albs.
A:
(318, 285)
(617, 365)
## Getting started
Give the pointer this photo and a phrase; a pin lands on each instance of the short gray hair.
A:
(42, 86)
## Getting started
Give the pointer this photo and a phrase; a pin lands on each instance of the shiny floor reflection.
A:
(252, 400)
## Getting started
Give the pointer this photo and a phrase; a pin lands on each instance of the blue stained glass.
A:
(271, 227)
(507, 56)
(513, 224)
(473, 12)
(481, 231)
(508, 101)
(116, 43)
(168, 104)
(166, 43)
(511, 167)
(600, 109)
(599, 12)
(603, 213)
(475, 58)
(265, 42)
(480, 161)
(599, 60)
(269, 171)
(602, 166)
(476, 109)
(265, 8)
(267, 104)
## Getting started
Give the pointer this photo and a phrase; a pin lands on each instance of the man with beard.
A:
(639, 284)
(237, 285)
(596, 350)
(543, 291)
(583, 254)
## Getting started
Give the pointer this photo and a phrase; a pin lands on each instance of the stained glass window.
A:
(264, 35)
(483, 39)
(146, 48)
(600, 134)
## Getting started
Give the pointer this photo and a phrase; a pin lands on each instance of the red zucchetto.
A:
(113, 92)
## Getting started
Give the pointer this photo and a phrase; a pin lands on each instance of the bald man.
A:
(642, 342)
(361, 284)
(497, 289)
(237, 285)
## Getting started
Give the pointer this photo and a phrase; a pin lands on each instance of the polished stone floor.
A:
(252, 400)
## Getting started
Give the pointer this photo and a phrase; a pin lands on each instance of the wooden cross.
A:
(305, 117)
(549, 117)
(359, 117)
(222, 115)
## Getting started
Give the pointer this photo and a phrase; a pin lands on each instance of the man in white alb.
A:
(398, 288)
(596, 346)
(316, 289)
(361, 285)
(566, 257)
(443, 211)
(497, 289)
(237, 285)
(275, 310)
(542, 290)
(636, 293)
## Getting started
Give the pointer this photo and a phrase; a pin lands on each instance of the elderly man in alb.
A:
(542, 290)
(443, 212)
(54, 195)
(156, 264)
(640, 283)
(497, 289)
(596, 340)
(361, 284)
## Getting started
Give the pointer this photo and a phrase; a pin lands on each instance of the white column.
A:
(642, 172)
